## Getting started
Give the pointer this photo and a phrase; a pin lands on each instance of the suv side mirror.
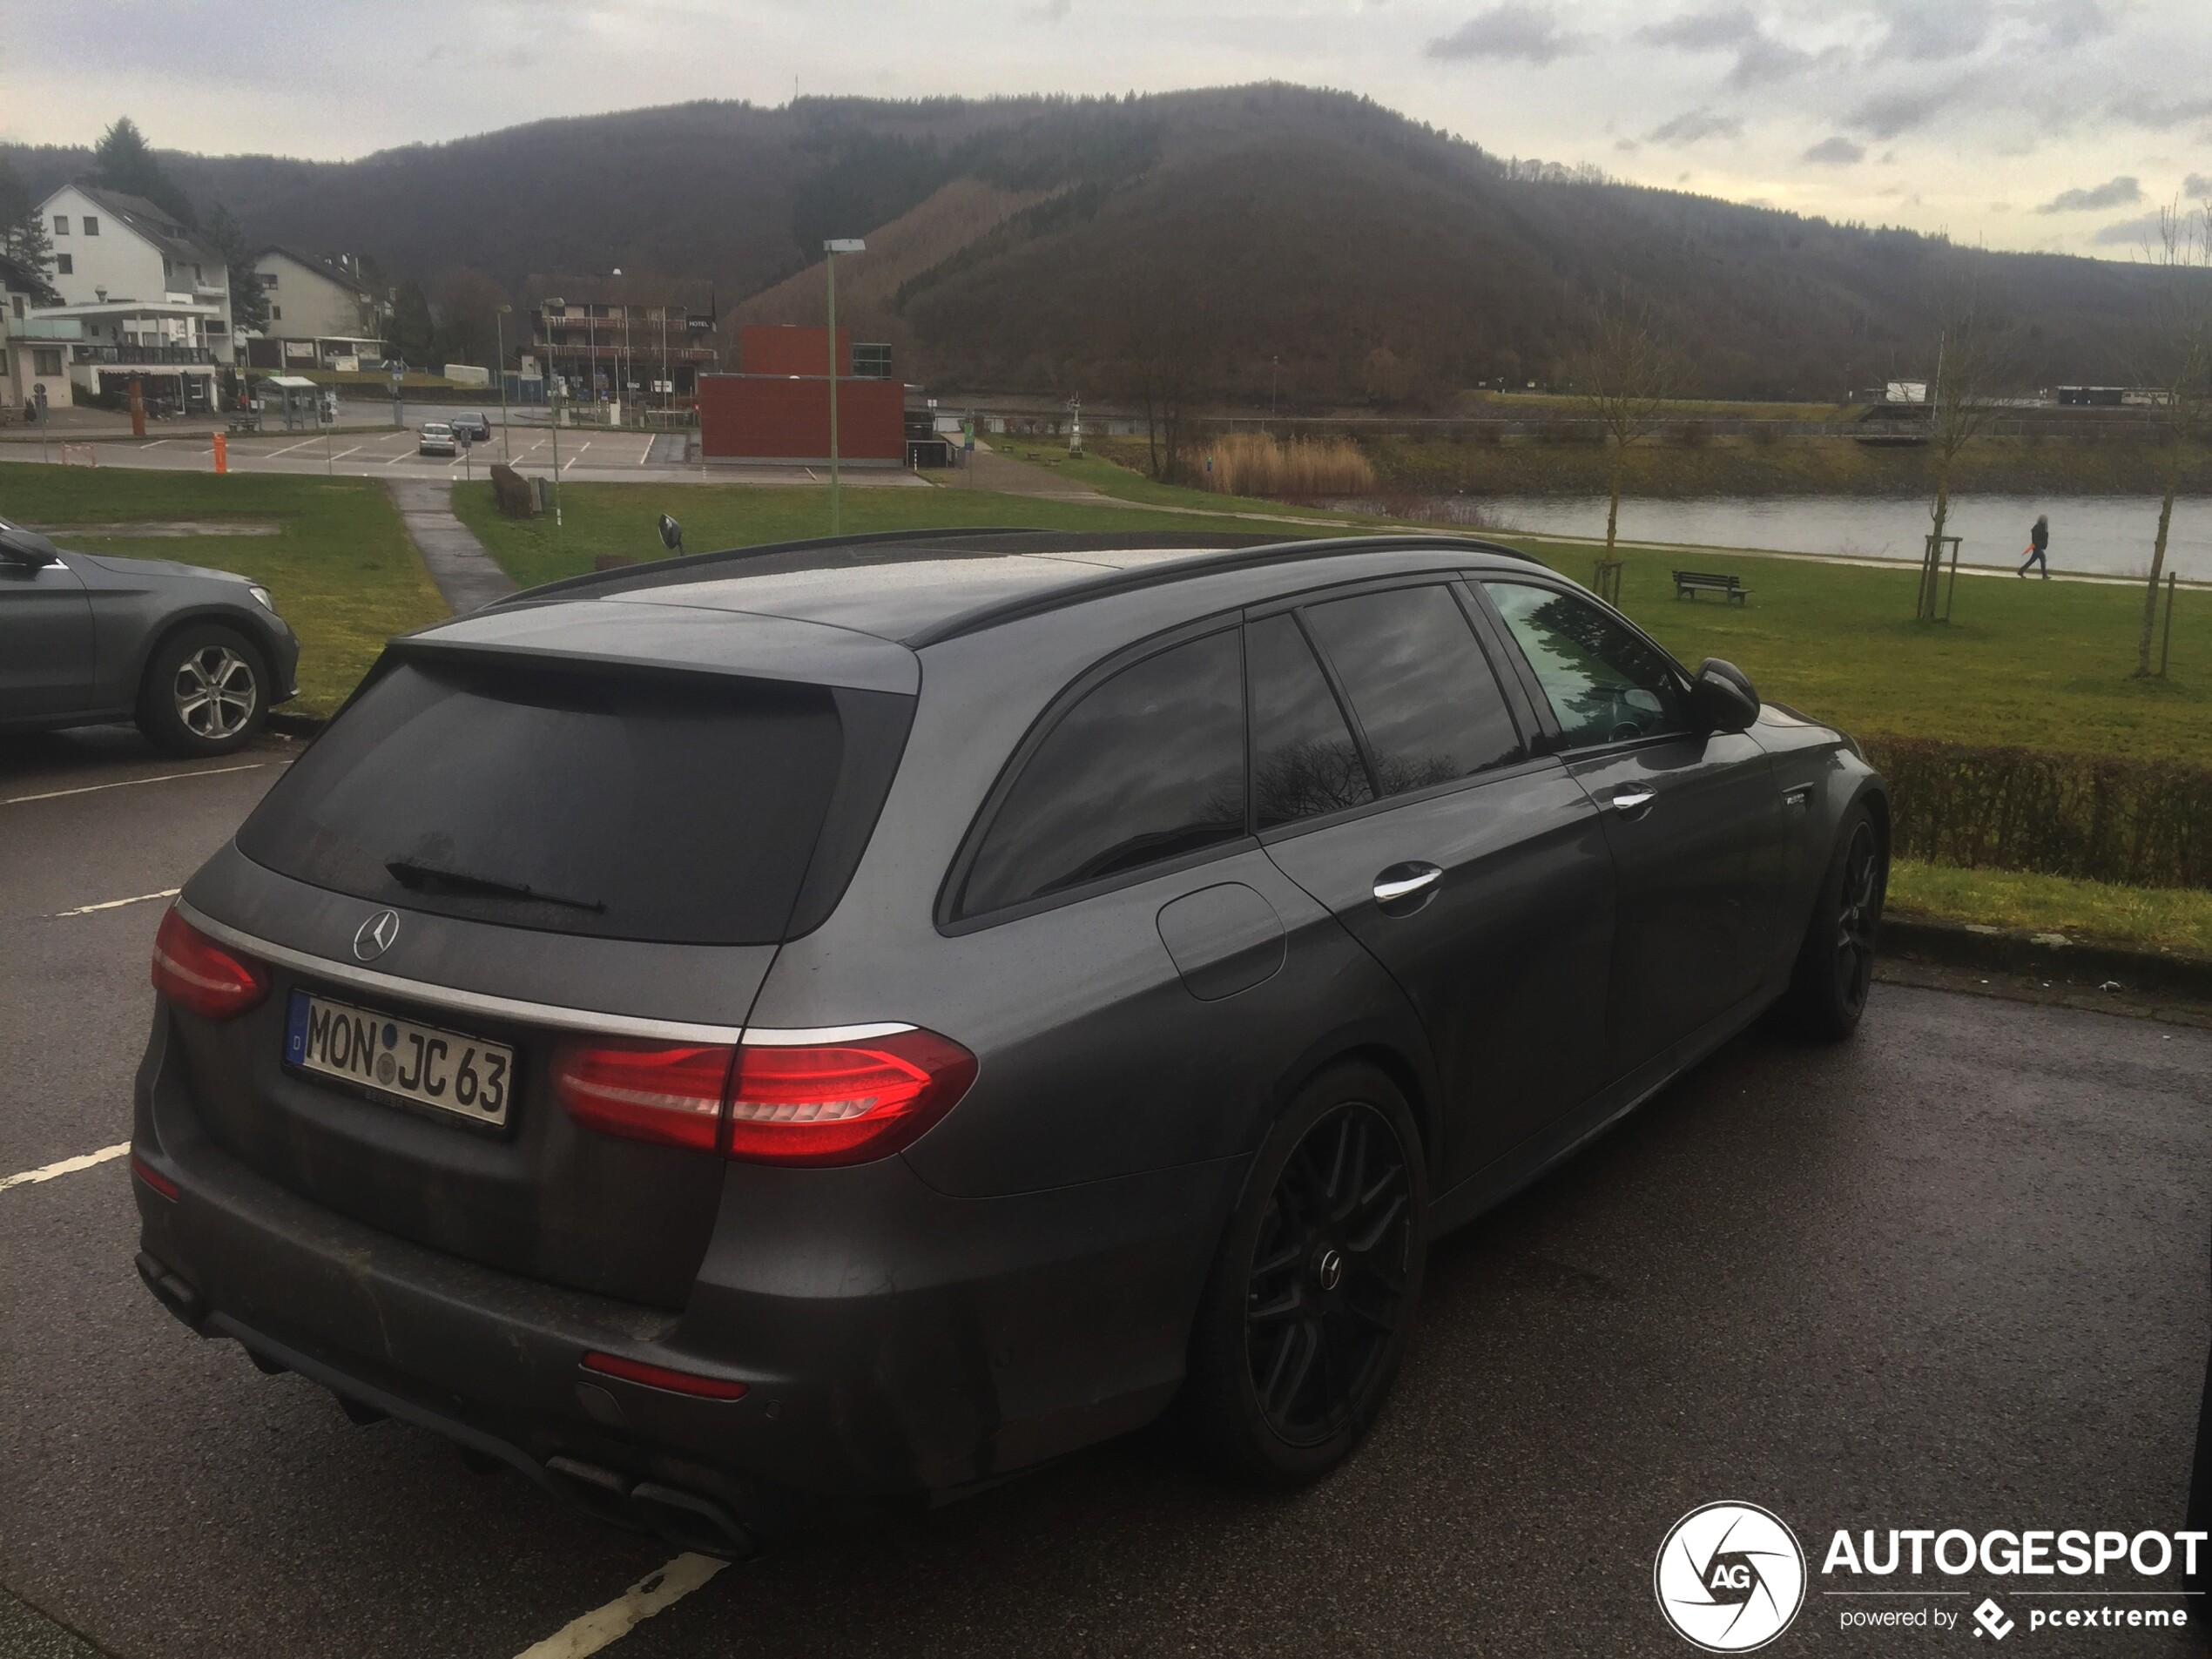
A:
(671, 534)
(1721, 697)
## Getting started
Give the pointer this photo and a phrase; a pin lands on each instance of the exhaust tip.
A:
(173, 1293)
(692, 1521)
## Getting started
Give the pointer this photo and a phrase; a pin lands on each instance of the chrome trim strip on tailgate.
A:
(508, 1007)
(446, 996)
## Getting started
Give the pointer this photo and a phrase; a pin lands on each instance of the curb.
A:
(2045, 955)
(308, 727)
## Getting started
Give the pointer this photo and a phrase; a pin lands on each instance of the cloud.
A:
(2197, 184)
(1922, 33)
(1887, 114)
(1692, 124)
(2113, 192)
(1838, 152)
(1509, 32)
(1759, 57)
(2159, 115)
(2069, 23)
(2128, 231)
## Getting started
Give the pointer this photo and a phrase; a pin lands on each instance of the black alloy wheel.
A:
(1330, 1276)
(1835, 969)
(1307, 1310)
(1859, 910)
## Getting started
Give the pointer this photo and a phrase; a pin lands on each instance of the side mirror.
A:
(671, 534)
(1721, 697)
(25, 550)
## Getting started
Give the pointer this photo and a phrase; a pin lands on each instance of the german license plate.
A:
(419, 1064)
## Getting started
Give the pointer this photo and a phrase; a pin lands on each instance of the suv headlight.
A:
(262, 596)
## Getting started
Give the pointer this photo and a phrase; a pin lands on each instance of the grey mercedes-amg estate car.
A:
(767, 1031)
(196, 657)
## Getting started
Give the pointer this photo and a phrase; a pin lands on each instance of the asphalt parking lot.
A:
(580, 454)
(1952, 1274)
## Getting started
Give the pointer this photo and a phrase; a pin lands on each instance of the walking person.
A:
(2039, 543)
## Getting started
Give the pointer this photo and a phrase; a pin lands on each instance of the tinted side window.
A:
(1148, 766)
(1605, 684)
(1304, 760)
(1422, 690)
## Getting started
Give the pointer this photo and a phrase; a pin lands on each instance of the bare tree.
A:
(2177, 364)
(1958, 410)
(1627, 375)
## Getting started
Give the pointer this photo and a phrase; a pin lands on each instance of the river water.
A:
(2108, 534)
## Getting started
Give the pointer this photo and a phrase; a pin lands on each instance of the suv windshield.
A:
(683, 809)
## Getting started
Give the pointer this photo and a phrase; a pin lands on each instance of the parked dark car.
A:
(776, 1030)
(471, 425)
(196, 658)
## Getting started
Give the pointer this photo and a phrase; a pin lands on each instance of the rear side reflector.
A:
(194, 972)
(160, 1183)
(645, 1091)
(678, 1382)
(814, 1105)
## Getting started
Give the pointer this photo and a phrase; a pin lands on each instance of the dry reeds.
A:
(1252, 463)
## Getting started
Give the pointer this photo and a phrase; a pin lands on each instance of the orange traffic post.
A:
(222, 452)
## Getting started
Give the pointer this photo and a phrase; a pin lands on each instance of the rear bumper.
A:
(891, 1340)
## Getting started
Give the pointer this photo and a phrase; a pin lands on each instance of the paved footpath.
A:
(466, 575)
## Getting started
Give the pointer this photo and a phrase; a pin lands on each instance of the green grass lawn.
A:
(2177, 919)
(2046, 665)
(341, 568)
(622, 519)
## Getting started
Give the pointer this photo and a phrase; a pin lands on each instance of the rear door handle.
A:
(1632, 801)
(1404, 888)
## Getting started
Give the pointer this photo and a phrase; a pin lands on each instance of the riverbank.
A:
(1412, 467)
(1744, 466)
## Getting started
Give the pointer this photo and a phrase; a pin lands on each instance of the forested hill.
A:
(1056, 244)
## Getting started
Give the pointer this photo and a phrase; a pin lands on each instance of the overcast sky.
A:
(2024, 124)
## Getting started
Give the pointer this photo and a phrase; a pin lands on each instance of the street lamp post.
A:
(830, 251)
(499, 367)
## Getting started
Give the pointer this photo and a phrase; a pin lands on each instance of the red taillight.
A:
(645, 1091)
(681, 1382)
(192, 970)
(153, 1177)
(816, 1103)
(843, 1103)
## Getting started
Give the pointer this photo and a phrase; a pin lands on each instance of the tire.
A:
(1827, 988)
(1307, 1306)
(205, 692)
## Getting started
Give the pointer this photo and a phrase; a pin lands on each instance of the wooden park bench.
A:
(1690, 584)
(244, 423)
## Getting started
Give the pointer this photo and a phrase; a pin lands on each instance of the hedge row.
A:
(2142, 823)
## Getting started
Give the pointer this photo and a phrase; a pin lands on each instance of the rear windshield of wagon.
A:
(678, 808)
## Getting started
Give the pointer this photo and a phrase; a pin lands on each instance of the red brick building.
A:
(776, 408)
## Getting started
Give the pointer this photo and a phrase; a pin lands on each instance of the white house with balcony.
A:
(109, 246)
(164, 345)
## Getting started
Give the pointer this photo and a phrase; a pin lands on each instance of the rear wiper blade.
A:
(417, 877)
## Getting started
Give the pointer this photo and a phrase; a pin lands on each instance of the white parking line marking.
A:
(70, 1166)
(273, 454)
(577, 456)
(117, 904)
(128, 783)
(648, 1596)
(342, 453)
